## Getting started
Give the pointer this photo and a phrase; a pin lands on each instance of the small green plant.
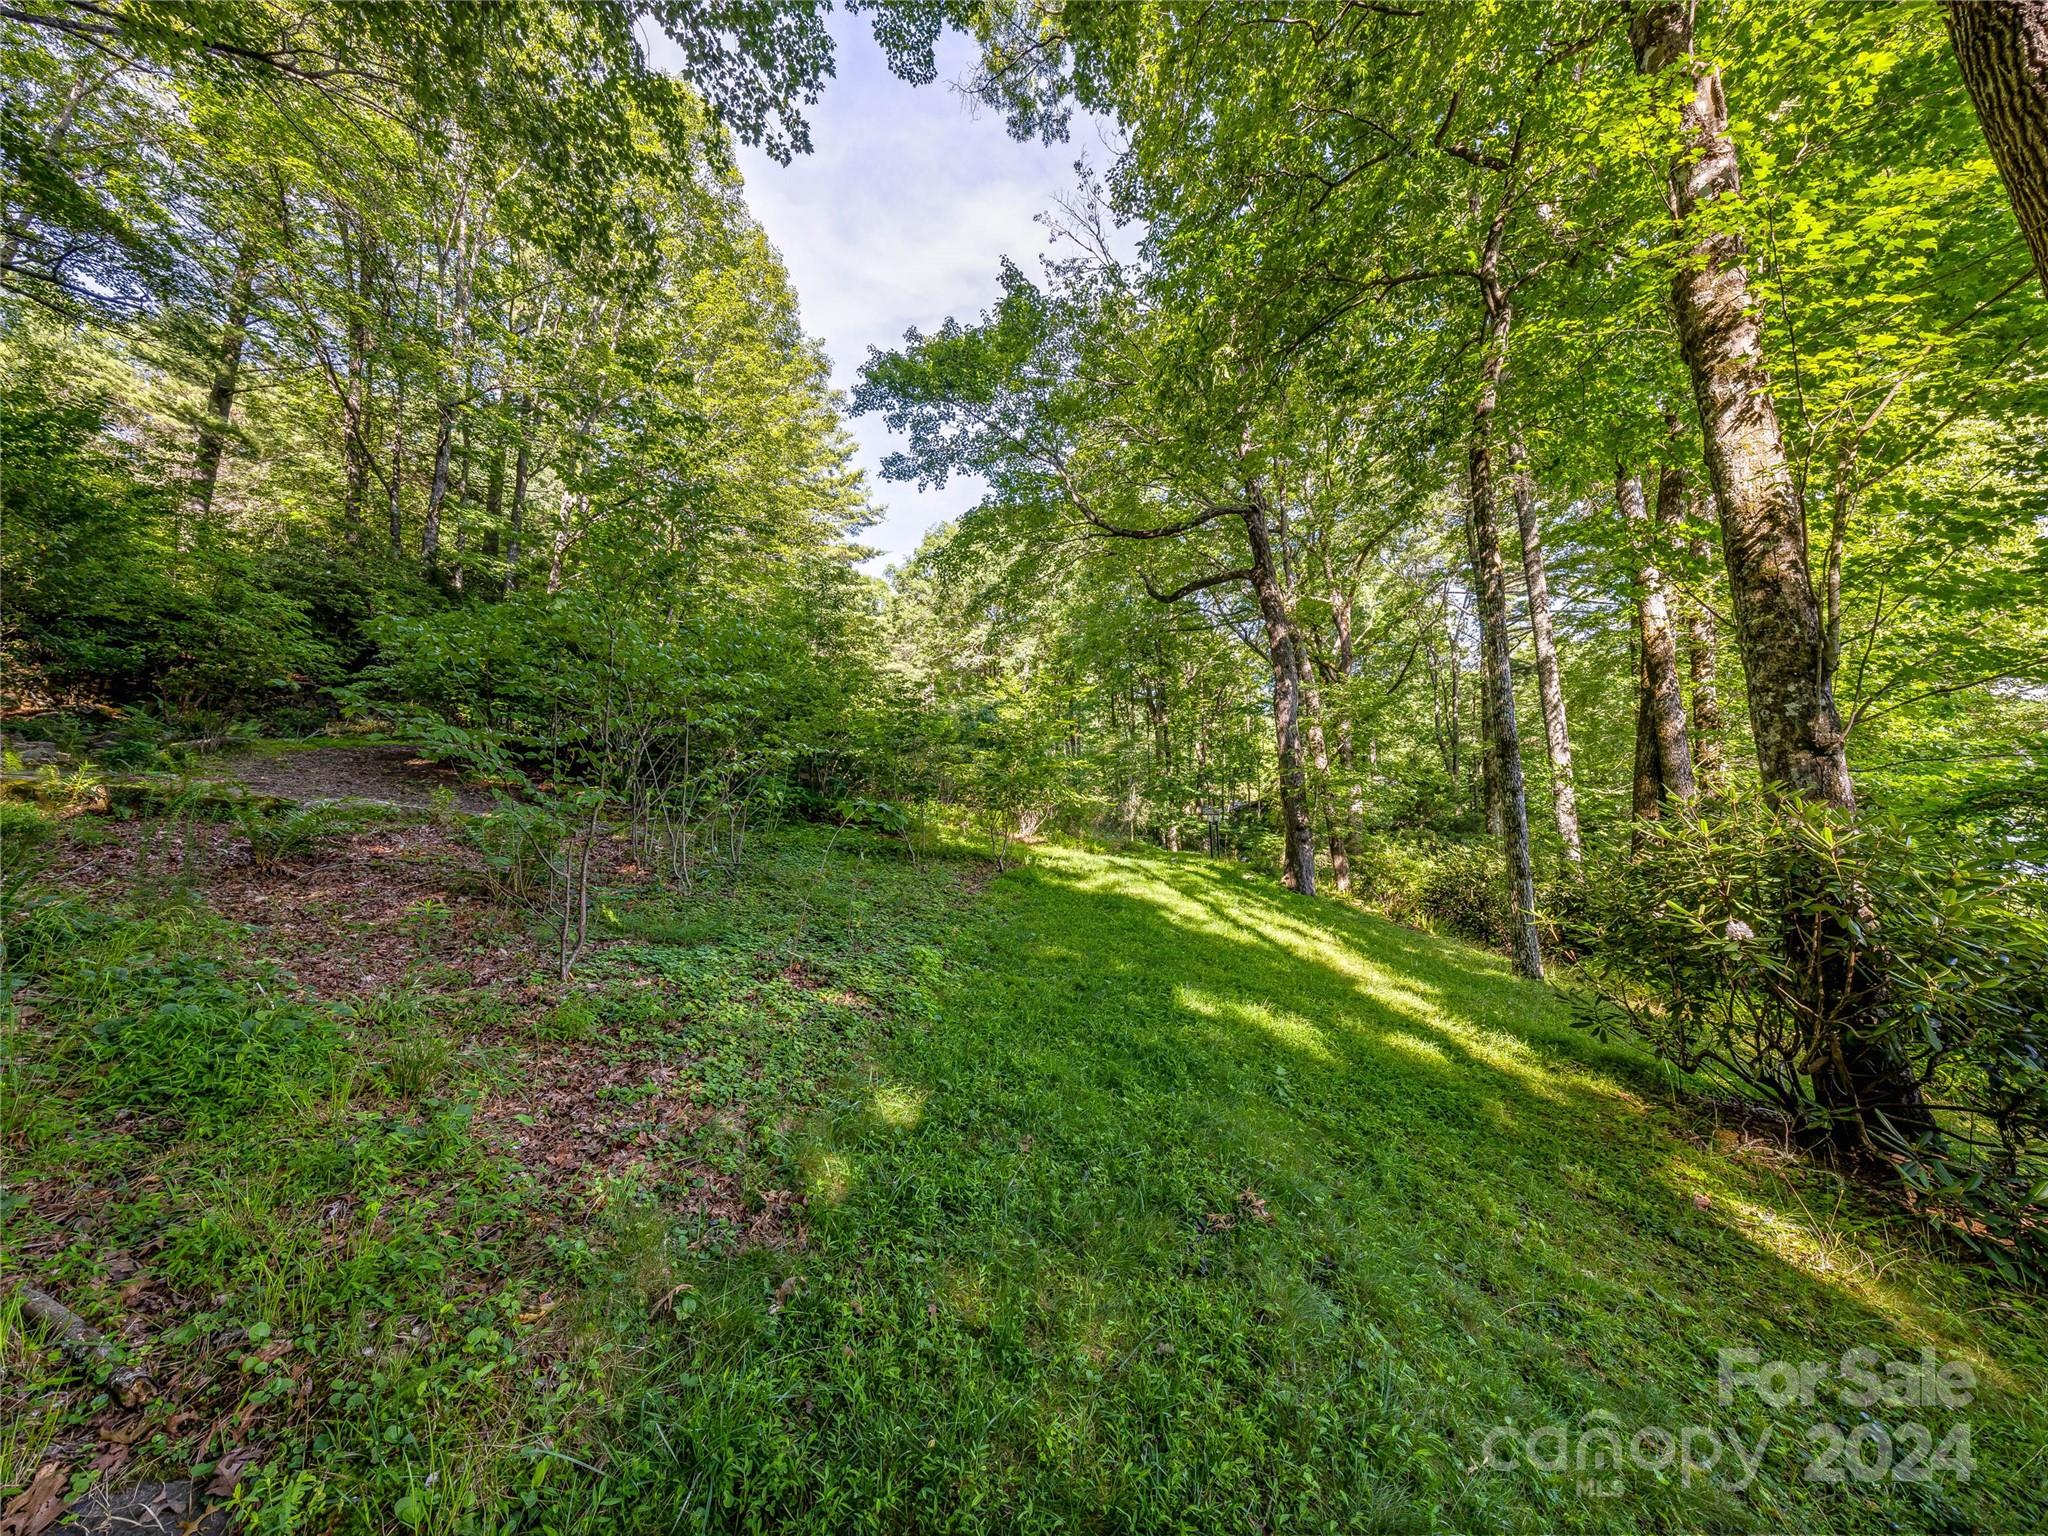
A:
(423, 920)
(515, 840)
(415, 1064)
(279, 834)
(574, 1018)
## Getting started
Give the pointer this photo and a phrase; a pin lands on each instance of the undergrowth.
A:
(1124, 1193)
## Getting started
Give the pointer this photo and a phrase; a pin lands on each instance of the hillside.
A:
(1120, 1191)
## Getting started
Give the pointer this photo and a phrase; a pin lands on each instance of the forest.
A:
(1432, 915)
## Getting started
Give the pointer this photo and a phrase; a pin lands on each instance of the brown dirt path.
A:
(382, 775)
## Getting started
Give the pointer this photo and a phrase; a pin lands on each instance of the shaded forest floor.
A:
(1118, 1192)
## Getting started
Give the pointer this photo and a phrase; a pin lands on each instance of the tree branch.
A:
(1200, 583)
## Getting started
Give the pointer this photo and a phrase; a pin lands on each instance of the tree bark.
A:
(1490, 585)
(455, 371)
(1763, 528)
(1549, 681)
(1853, 1071)
(566, 529)
(1285, 652)
(1662, 710)
(1492, 808)
(437, 488)
(1319, 754)
(2002, 50)
(494, 480)
(227, 368)
(1646, 797)
(355, 449)
(396, 508)
(1702, 660)
(1344, 847)
(522, 463)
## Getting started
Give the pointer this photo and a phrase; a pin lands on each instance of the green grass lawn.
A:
(1199, 1206)
(1136, 1195)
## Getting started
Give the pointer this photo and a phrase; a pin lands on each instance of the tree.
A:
(1549, 678)
(1663, 751)
(1792, 711)
(2002, 50)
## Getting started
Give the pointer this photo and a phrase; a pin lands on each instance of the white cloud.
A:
(900, 217)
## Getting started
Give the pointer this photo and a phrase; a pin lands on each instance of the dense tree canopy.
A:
(1565, 472)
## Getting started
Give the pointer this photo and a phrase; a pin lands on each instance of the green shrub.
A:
(1388, 874)
(516, 841)
(1887, 992)
(24, 830)
(1464, 892)
(1445, 887)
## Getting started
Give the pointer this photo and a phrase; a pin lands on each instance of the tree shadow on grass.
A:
(1198, 1198)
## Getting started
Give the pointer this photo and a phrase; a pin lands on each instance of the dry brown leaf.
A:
(229, 1469)
(38, 1505)
(127, 1432)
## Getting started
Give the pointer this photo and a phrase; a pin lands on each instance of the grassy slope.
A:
(1140, 1196)
(1023, 1312)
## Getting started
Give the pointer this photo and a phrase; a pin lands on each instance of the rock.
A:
(35, 754)
(141, 1509)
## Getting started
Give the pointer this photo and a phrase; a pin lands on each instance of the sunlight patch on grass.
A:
(1415, 1045)
(1171, 890)
(898, 1106)
(1284, 1025)
(828, 1178)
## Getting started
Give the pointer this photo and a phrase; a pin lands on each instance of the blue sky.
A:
(899, 217)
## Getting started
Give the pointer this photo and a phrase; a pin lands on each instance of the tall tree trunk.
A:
(2002, 49)
(355, 451)
(1491, 586)
(1344, 845)
(1491, 805)
(1709, 758)
(227, 368)
(1854, 1072)
(455, 373)
(521, 465)
(494, 479)
(1763, 528)
(463, 515)
(397, 486)
(437, 489)
(1549, 682)
(1663, 704)
(1492, 809)
(569, 524)
(14, 217)
(1285, 652)
(1647, 787)
(1702, 658)
(1319, 754)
